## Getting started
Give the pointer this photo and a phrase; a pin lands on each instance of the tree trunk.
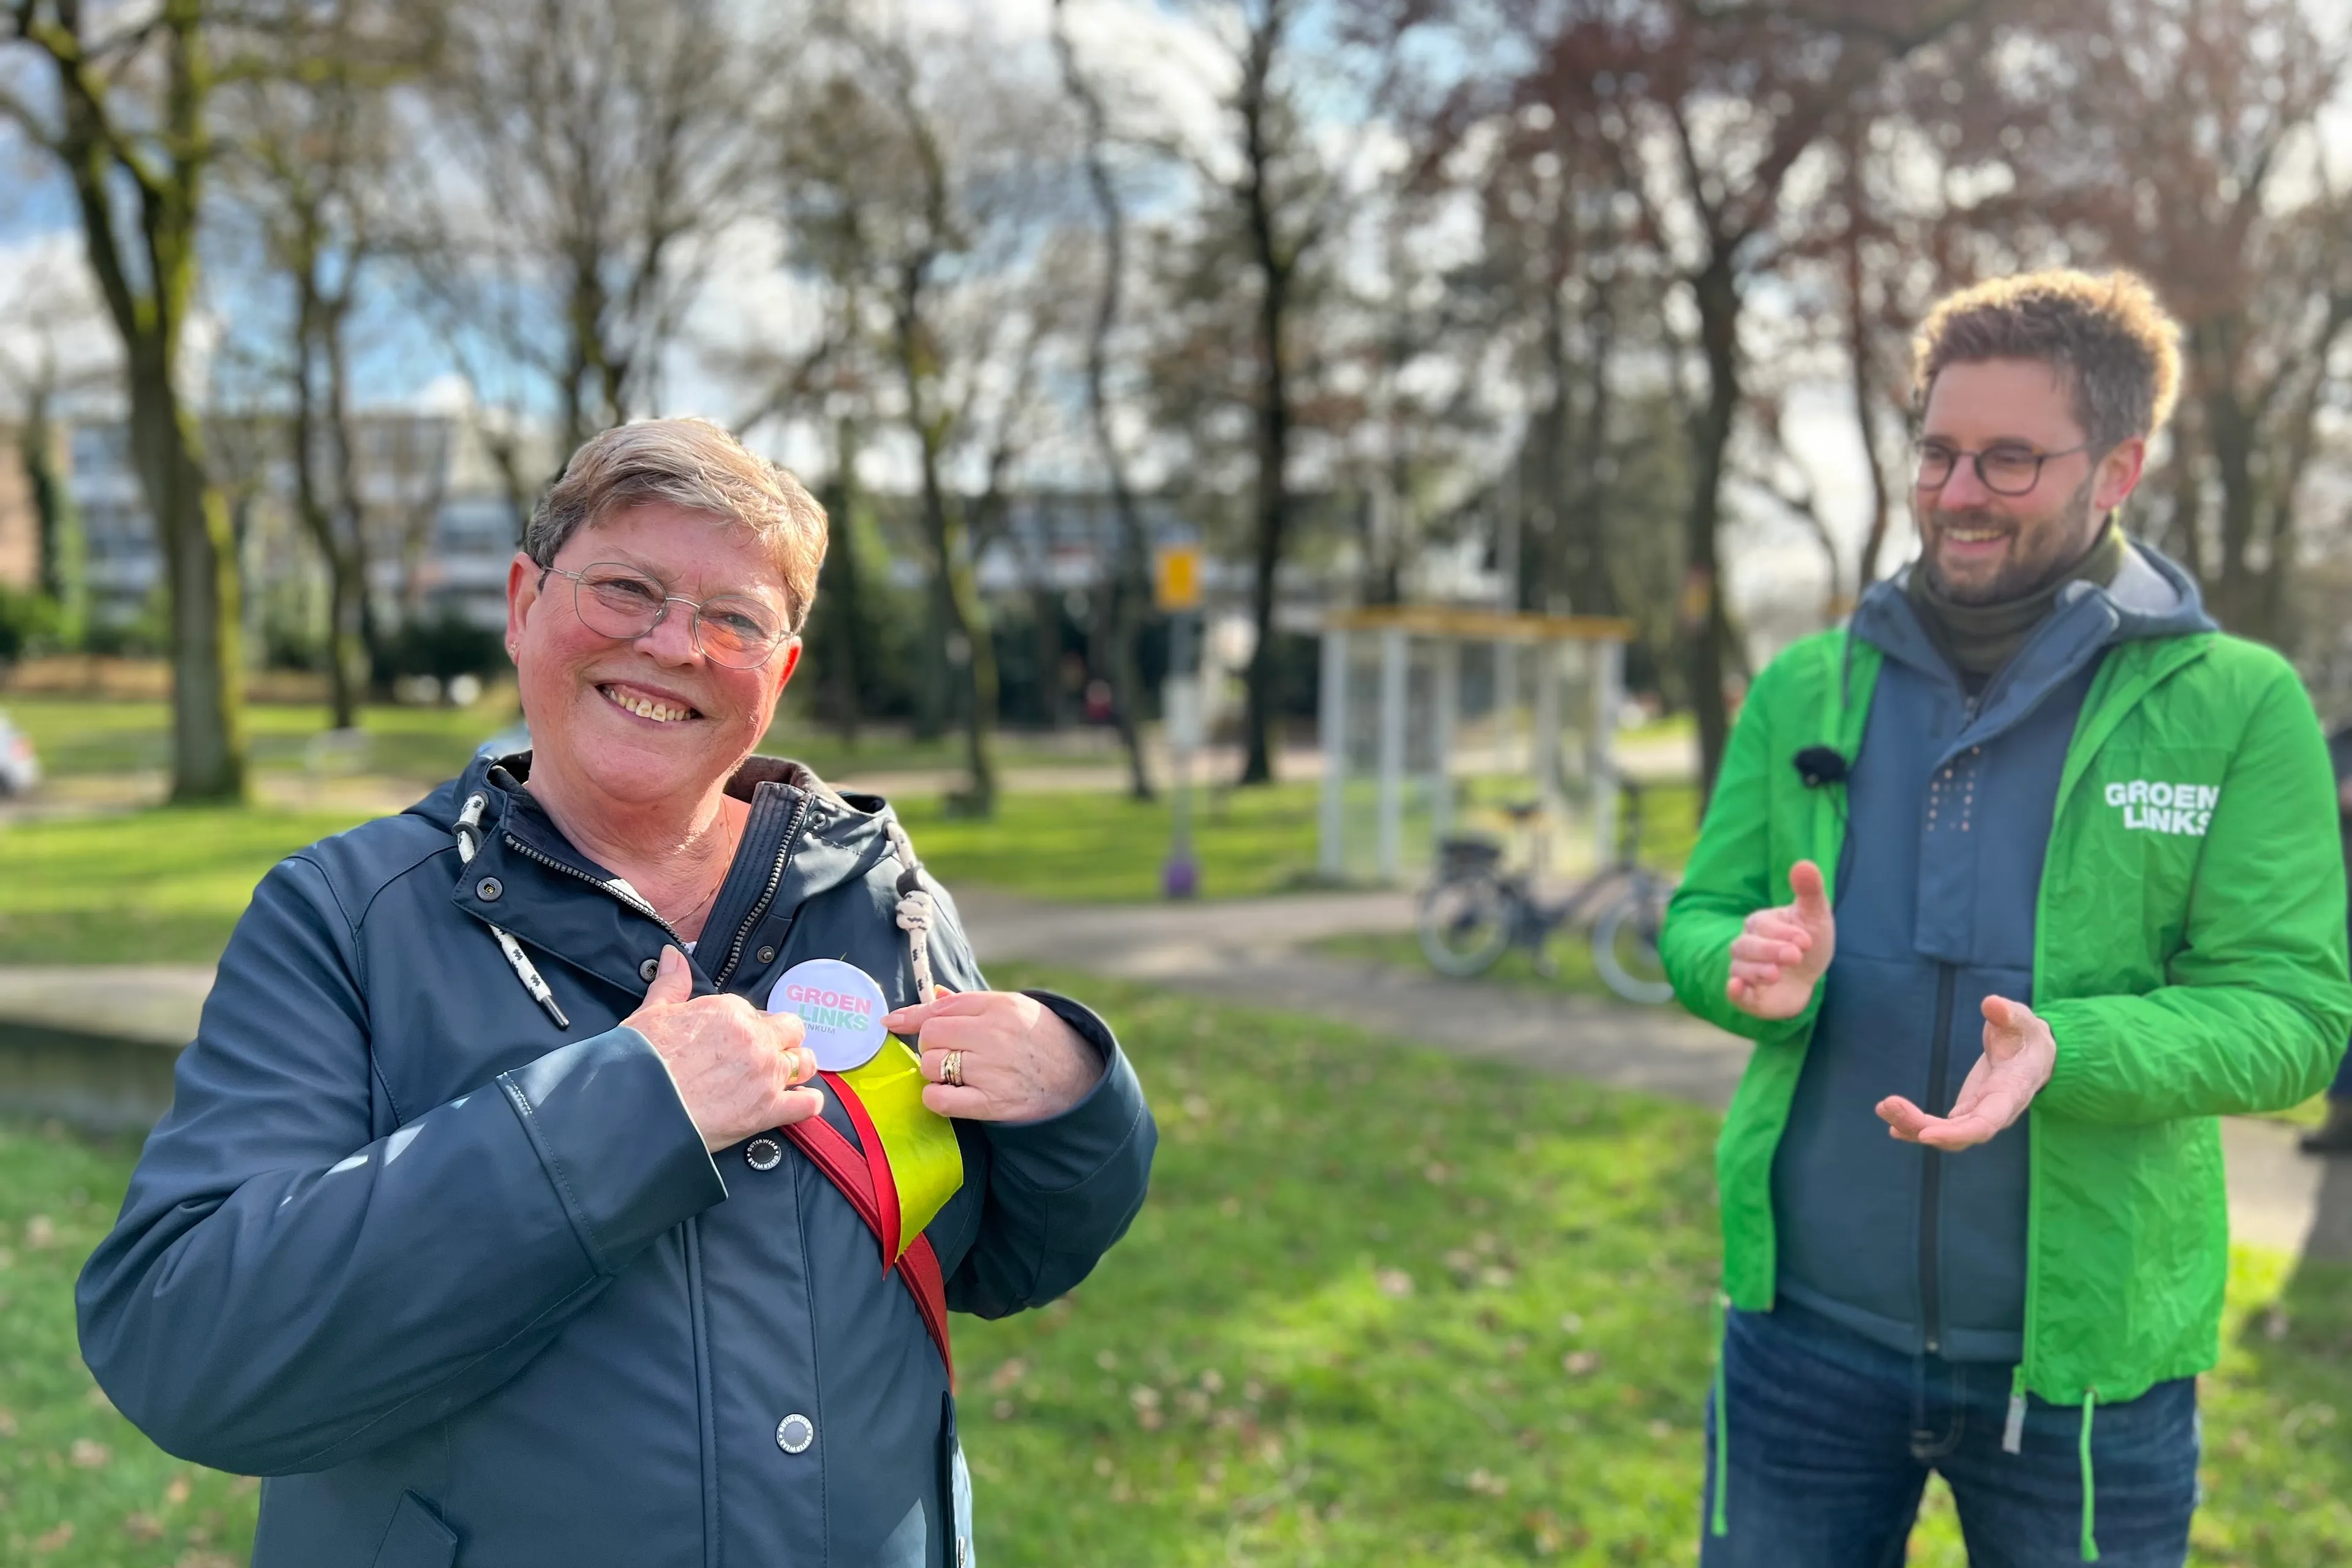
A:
(847, 677)
(967, 618)
(1046, 635)
(200, 567)
(316, 328)
(2185, 529)
(956, 583)
(148, 278)
(64, 548)
(1119, 592)
(1706, 629)
(1273, 508)
(2229, 437)
(1273, 522)
(1865, 386)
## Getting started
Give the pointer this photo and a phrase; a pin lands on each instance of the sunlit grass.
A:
(1383, 1308)
(167, 885)
(78, 737)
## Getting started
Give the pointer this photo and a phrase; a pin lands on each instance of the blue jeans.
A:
(1832, 1438)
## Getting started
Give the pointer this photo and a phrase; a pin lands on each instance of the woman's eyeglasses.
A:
(623, 603)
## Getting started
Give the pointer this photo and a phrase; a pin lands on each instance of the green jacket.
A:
(2184, 974)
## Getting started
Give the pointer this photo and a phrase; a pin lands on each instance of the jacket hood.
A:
(841, 836)
(2151, 598)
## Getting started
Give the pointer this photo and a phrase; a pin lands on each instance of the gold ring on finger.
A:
(951, 1070)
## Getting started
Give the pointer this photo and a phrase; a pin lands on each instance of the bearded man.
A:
(2064, 890)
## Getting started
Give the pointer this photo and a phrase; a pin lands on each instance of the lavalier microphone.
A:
(1819, 766)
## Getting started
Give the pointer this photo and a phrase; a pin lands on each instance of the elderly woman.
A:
(497, 1220)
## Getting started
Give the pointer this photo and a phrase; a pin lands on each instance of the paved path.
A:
(1245, 953)
(1249, 951)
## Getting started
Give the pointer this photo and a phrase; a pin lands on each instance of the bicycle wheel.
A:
(1626, 943)
(1466, 924)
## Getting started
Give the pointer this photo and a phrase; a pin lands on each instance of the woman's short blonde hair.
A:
(693, 464)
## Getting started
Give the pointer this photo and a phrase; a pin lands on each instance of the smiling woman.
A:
(442, 1175)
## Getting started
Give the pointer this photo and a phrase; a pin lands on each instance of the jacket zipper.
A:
(1931, 1174)
(623, 895)
(767, 897)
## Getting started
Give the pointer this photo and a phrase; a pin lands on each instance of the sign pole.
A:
(1176, 589)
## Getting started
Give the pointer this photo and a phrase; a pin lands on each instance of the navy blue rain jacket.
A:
(467, 1286)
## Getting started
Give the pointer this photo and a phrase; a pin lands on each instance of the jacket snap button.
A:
(488, 890)
(767, 955)
(764, 1153)
(648, 969)
(794, 1434)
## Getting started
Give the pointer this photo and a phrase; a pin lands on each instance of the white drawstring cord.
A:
(914, 911)
(468, 822)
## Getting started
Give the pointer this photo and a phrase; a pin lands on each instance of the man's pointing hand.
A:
(1783, 951)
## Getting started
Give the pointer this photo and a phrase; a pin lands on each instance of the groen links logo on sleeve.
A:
(2183, 808)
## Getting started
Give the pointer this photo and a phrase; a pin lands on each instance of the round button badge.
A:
(839, 1005)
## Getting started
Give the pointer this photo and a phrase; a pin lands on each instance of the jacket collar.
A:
(2150, 599)
(803, 838)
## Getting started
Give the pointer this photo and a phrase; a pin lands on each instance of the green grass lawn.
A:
(147, 887)
(80, 736)
(167, 885)
(1383, 1308)
(77, 736)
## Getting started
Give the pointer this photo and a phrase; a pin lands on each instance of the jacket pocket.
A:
(417, 1538)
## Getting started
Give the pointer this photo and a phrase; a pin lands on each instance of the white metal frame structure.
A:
(1419, 675)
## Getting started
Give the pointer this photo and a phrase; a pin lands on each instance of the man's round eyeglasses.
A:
(622, 603)
(2005, 470)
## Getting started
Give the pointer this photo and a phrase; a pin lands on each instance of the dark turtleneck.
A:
(1978, 639)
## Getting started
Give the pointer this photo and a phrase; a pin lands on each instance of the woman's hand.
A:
(737, 1069)
(1017, 1060)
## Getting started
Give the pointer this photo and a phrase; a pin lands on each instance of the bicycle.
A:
(1474, 910)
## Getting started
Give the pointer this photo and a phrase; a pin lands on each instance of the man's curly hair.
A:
(2108, 336)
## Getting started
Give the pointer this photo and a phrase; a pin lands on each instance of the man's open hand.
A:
(2019, 1054)
(1784, 950)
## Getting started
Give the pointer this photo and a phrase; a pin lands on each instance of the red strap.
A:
(921, 1269)
(847, 1169)
(877, 1166)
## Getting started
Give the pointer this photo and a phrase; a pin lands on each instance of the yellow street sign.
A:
(1176, 577)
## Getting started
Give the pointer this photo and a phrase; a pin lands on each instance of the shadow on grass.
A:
(1383, 1307)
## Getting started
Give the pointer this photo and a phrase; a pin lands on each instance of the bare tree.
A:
(1121, 586)
(310, 160)
(926, 199)
(1280, 227)
(578, 159)
(133, 118)
(1267, 200)
(1711, 114)
(2185, 139)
